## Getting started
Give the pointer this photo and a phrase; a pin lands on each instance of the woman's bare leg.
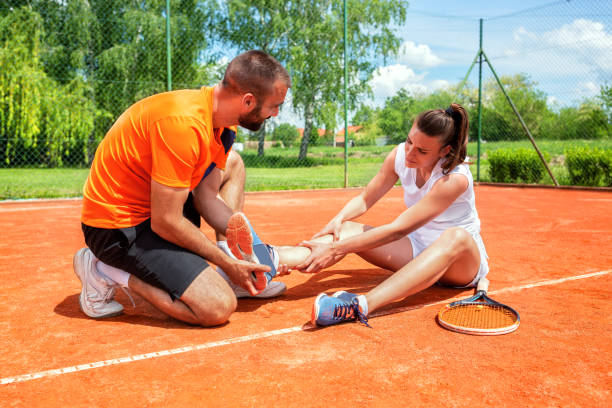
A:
(453, 259)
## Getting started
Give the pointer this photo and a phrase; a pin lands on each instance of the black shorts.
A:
(141, 252)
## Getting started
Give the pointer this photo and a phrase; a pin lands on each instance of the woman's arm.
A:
(382, 182)
(442, 195)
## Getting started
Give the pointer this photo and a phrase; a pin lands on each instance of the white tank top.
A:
(461, 213)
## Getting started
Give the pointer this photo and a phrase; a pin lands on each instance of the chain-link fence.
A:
(69, 68)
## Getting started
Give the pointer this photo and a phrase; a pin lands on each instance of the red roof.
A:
(351, 129)
(320, 131)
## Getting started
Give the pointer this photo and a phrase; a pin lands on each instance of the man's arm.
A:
(211, 207)
(168, 222)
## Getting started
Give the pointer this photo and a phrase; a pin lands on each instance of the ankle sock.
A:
(363, 303)
(117, 275)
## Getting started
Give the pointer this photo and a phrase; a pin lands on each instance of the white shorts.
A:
(418, 247)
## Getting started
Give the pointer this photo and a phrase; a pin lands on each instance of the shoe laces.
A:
(346, 311)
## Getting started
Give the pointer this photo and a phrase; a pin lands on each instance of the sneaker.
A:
(97, 293)
(345, 296)
(245, 244)
(272, 289)
(328, 310)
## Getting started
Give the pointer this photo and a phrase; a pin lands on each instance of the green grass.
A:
(280, 170)
(41, 183)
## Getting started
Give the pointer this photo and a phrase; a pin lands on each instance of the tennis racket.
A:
(479, 315)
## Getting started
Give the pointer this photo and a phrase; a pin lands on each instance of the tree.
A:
(499, 120)
(605, 96)
(307, 36)
(285, 133)
(41, 121)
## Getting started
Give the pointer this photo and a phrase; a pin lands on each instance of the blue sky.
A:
(566, 47)
(563, 46)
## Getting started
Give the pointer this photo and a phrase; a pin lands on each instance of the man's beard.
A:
(252, 120)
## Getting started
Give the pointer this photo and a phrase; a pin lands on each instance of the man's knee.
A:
(217, 311)
(210, 298)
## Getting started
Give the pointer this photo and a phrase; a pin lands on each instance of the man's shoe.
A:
(97, 292)
(328, 310)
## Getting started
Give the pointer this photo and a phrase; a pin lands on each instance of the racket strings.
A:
(479, 316)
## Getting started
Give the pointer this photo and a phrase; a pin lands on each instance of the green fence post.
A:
(168, 47)
(479, 105)
(345, 101)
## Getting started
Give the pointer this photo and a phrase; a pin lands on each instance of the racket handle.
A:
(483, 285)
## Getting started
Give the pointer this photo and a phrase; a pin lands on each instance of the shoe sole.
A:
(79, 271)
(315, 310)
(260, 295)
(240, 242)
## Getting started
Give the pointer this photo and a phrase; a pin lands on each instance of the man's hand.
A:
(241, 273)
(322, 256)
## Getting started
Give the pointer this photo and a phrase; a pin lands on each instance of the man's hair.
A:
(254, 71)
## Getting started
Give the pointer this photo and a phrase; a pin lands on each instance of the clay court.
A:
(551, 259)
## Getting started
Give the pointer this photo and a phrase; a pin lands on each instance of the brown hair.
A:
(451, 127)
(254, 71)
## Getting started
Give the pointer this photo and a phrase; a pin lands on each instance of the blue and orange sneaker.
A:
(328, 310)
(245, 244)
(345, 296)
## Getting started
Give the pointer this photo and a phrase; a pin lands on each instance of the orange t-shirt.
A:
(166, 137)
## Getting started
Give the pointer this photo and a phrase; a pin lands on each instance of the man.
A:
(158, 169)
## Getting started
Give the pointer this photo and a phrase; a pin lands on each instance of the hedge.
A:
(589, 166)
(515, 166)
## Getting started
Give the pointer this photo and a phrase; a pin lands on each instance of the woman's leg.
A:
(391, 256)
(453, 259)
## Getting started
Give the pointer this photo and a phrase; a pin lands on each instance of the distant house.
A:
(339, 139)
(321, 132)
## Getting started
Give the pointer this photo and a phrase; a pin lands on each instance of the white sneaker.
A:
(97, 293)
(273, 288)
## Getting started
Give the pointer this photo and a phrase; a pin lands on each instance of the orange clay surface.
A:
(559, 357)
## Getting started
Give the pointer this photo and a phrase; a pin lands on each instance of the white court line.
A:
(250, 337)
(46, 207)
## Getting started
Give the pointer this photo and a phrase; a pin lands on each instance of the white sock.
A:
(117, 275)
(363, 303)
(223, 246)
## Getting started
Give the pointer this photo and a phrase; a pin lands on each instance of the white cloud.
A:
(588, 88)
(390, 79)
(578, 46)
(417, 55)
(579, 34)
(439, 84)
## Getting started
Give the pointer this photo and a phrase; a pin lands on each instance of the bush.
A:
(589, 166)
(286, 134)
(515, 166)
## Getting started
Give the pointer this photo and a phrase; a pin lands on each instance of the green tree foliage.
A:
(41, 120)
(286, 133)
(130, 49)
(69, 68)
(399, 112)
(22, 82)
(307, 36)
(498, 119)
(605, 97)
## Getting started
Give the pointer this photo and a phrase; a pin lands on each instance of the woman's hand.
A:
(321, 256)
(333, 228)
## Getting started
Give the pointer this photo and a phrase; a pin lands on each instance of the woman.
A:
(436, 239)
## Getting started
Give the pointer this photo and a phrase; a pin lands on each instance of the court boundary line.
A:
(271, 333)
